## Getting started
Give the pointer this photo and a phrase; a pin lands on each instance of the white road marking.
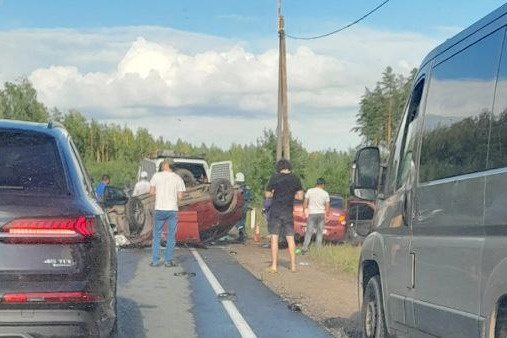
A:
(244, 329)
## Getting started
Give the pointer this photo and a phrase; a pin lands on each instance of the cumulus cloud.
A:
(225, 91)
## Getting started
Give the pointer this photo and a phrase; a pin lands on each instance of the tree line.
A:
(381, 108)
(117, 150)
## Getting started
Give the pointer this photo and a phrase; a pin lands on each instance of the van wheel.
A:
(374, 325)
(501, 323)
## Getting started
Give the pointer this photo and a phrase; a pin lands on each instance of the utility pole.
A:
(282, 130)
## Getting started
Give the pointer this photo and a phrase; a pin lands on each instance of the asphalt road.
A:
(154, 303)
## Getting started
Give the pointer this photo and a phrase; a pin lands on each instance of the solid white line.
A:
(244, 329)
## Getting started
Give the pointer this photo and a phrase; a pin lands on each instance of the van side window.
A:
(457, 121)
(409, 135)
(497, 157)
(394, 160)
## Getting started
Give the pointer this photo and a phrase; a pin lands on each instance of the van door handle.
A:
(412, 271)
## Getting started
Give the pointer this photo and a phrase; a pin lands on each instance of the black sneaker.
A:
(155, 264)
(170, 264)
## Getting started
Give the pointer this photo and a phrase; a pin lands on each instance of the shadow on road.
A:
(130, 320)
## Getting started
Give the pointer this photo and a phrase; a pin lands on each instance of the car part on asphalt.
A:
(185, 273)
(294, 307)
(227, 296)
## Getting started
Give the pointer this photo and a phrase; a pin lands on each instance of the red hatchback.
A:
(335, 228)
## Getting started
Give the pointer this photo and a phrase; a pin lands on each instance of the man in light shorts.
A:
(317, 204)
(168, 188)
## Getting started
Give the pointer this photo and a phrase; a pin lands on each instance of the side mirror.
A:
(114, 196)
(365, 173)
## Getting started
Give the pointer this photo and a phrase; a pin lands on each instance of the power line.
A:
(340, 29)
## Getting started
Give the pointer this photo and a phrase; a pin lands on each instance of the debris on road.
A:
(232, 252)
(294, 307)
(304, 263)
(227, 296)
(185, 273)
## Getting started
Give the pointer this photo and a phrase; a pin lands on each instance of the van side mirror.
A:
(365, 173)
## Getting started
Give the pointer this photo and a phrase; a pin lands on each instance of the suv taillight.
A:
(49, 230)
(50, 297)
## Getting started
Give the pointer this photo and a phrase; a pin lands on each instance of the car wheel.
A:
(136, 215)
(352, 236)
(187, 177)
(374, 325)
(222, 193)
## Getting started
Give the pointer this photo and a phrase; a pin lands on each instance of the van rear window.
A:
(30, 162)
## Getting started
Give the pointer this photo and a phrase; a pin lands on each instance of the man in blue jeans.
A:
(168, 188)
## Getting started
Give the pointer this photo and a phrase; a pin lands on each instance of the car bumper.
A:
(47, 323)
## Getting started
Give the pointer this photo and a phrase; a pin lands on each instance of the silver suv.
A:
(435, 264)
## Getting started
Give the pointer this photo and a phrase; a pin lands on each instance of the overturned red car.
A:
(212, 204)
(335, 228)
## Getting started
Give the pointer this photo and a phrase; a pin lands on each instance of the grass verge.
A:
(344, 257)
(259, 218)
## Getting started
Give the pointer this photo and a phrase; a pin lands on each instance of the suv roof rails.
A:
(54, 124)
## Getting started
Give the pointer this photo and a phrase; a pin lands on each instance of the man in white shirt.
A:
(317, 204)
(168, 188)
(143, 186)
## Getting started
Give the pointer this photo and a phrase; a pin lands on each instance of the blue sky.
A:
(241, 18)
(206, 71)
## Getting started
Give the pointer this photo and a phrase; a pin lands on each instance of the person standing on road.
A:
(317, 204)
(143, 186)
(168, 188)
(282, 188)
(101, 187)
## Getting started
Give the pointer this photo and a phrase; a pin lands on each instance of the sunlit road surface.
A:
(154, 303)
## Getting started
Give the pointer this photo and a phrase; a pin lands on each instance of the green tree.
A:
(18, 101)
(380, 109)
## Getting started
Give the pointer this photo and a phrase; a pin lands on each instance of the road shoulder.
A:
(327, 296)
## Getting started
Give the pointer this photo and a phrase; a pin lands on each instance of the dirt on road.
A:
(324, 294)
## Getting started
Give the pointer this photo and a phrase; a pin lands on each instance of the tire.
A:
(136, 215)
(222, 193)
(501, 323)
(373, 318)
(352, 237)
(187, 177)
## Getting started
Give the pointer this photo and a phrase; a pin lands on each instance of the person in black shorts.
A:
(282, 188)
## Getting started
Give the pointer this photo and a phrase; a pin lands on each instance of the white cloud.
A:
(220, 90)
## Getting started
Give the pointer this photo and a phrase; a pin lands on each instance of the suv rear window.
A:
(30, 162)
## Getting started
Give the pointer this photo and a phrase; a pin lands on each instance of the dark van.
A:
(436, 262)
